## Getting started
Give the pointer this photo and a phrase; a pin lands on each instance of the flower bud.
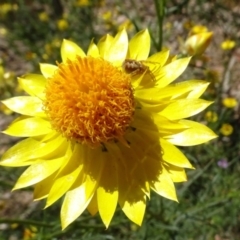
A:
(197, 44)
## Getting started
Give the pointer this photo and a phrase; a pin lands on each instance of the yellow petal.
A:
(93, 50)
(198, 88)
(41, 189)
(132, 186)
(177, 174)
(76, 201)
(139, 46)
(184, 108)
(84, 188)
(30, 106)
(118, 49)
(67, 176)
(48, 70)
(196, 134)
(171, 71)
(135, 210)
(27, 151)
(33, 84)
(93, 205)
(187, 89)
(160, 57)
(164, 186)
(69, 50)
(104, 44)
(107, 192)
(38, 171)
(173, 155)
(29, 127)
(157, 124)
(48, 137)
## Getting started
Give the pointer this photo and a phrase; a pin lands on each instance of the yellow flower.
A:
(228, 44)
(188, 24)
(30, 55)
(211, 116)
(102, 127)
(197, 43)
(62, 24)
(226, 129)
(230, 102)
(198, 29)
(43, 16)
(82, 3)
(107, 15)
(5, 8)
(30, 233)
(127, 24)
(3, 31)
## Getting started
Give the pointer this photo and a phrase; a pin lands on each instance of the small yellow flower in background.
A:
(211, 116)
(230, 102)
(14, 225)
(101, 3)
(228, 44)
(102, 127)
(188, 24)
(45, 56)
(43, 16)
(5, 8)
(198, 29)
(82, 3)
(197, 43)
(56, 43)
(107, 16)
(48, 48)
(226, 129)
(168, 25)
(7, 85)
(3, 31)
(127, 24)
(30, 233)
(30, 55)
(62, 24)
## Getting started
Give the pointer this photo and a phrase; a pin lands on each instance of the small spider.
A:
(135, 67)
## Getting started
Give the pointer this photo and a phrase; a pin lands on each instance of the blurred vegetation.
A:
(208, 208)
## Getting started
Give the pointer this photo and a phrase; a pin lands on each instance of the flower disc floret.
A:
(89, 100)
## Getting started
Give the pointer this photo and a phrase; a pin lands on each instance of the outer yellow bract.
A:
(119, 171)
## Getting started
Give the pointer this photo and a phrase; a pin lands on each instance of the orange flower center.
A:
(90, 101)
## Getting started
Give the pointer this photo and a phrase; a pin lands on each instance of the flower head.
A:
(82, 3)
(102, 127)
(223, 163)
(196, 44)
(62, 24)
(43, 16)
(228, 44)
(198, 29)
(226, 129)
(230, 102)
(211, 116)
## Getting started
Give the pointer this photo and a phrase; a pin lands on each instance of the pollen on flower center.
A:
(89, 100)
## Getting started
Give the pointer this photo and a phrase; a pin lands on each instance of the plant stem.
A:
(160, 10)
